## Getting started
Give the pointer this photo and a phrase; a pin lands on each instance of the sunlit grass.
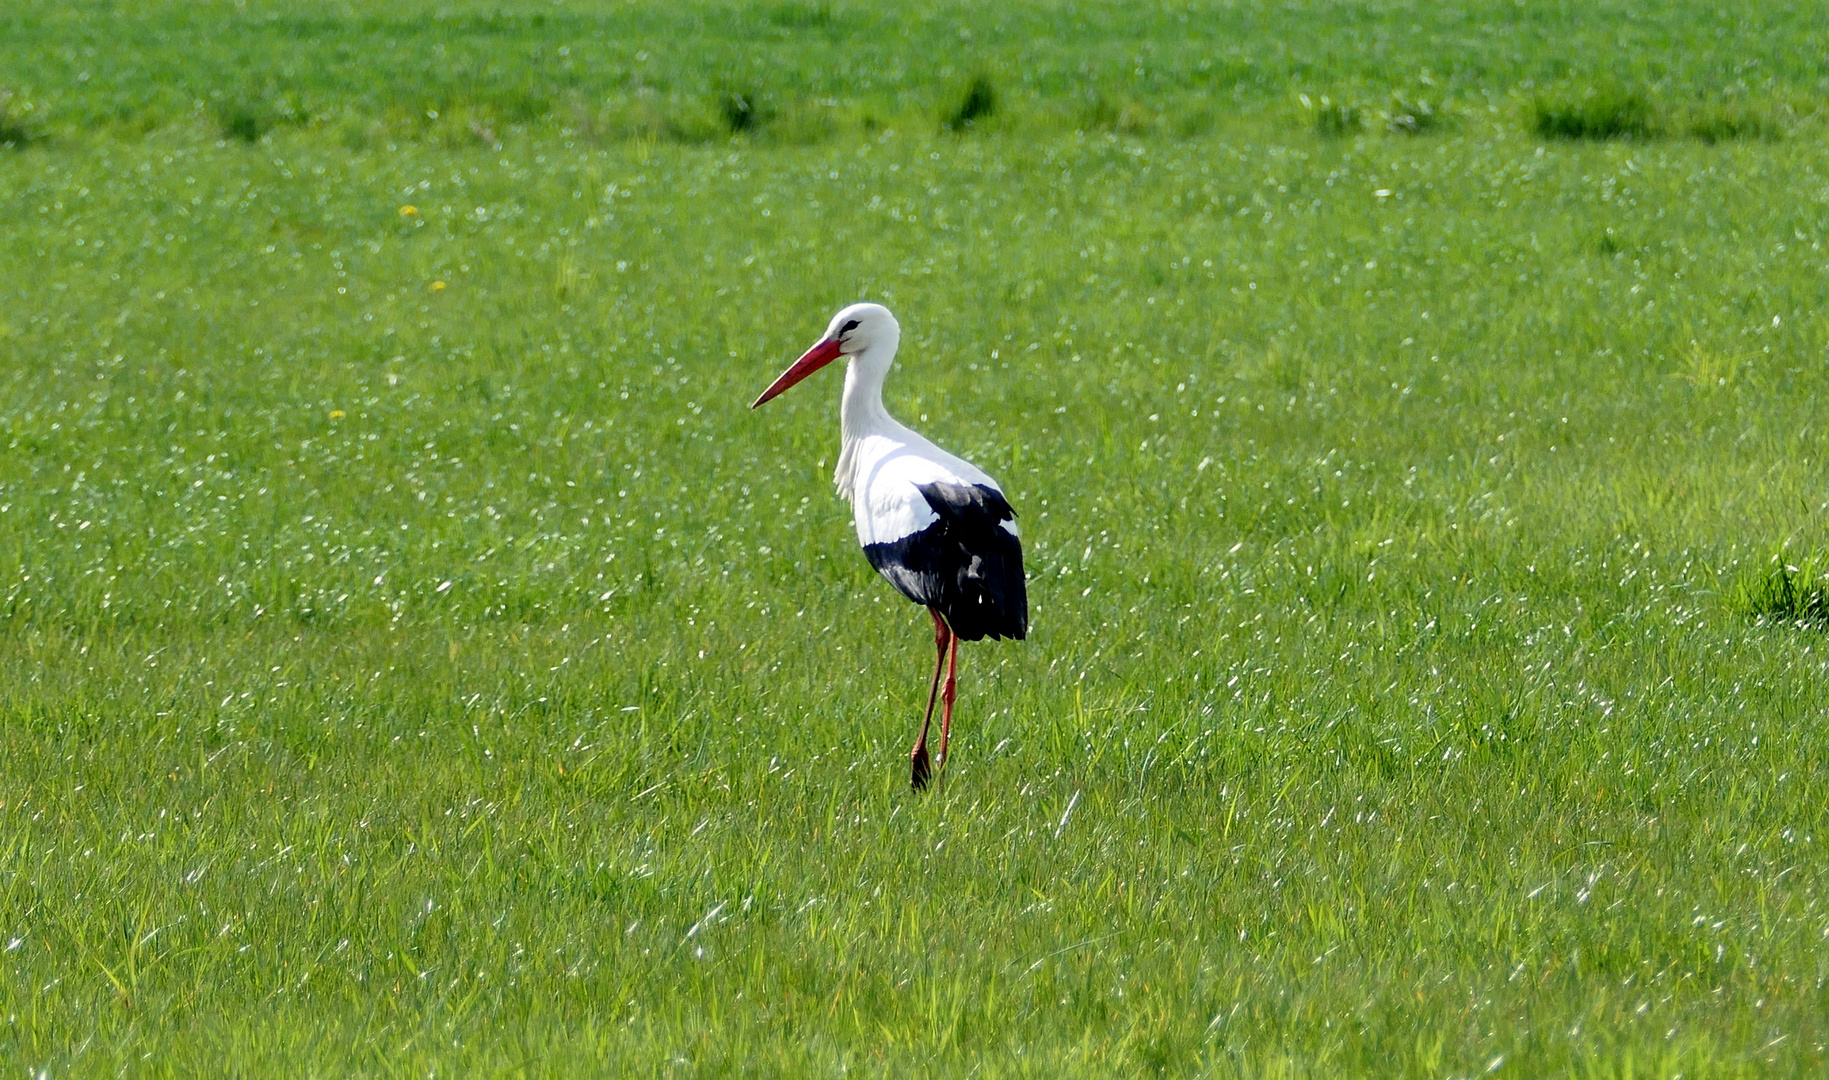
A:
(414, 657)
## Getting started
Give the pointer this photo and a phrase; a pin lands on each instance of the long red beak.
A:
(815, 358)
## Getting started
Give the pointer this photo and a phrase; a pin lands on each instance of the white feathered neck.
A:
(861, 414)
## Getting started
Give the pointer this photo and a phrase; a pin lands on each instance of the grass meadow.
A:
(415, 659)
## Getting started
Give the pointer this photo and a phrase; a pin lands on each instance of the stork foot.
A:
(921, 770)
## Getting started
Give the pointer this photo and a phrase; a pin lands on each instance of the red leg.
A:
(946, 697)
(920, 769)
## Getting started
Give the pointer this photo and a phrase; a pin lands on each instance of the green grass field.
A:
(415, 659)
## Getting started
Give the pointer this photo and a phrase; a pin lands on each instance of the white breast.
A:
(887, 472)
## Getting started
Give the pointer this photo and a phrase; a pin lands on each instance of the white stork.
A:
(935, 525)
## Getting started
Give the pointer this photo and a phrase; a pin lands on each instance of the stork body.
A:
(934, 525)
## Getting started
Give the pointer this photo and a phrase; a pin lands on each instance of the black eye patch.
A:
(850, 325)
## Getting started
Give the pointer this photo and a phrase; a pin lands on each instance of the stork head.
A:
(854, 331)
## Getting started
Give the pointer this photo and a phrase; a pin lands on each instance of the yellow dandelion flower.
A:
(408, 210)
(438, 286)
(337, 414)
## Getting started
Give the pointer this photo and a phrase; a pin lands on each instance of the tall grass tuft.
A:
(241, 121)
(1728, 123)
(1126, 118)
(1791, 593)
(978, 103)
(14, 132)
(1604, 114)
(484, 132)
(802, 15)
(1412, 116)
(248, 116)
(1331, 119)
(741, 112)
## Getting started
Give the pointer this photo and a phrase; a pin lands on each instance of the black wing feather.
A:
(965, 565)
